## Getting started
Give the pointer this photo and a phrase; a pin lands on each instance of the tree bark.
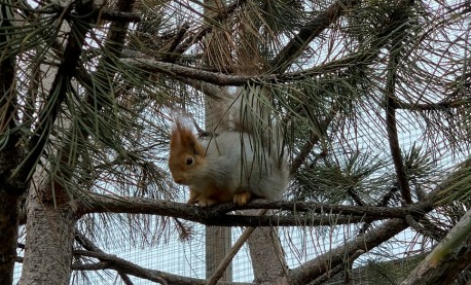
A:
(268, 261)
(50, 234)
(218, 244)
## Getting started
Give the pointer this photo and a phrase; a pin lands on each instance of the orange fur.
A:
(209, 196)
(242, 198)
(184, 145)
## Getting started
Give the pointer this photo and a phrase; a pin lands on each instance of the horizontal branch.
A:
(305, 213)
(109, 261)
(176, 71)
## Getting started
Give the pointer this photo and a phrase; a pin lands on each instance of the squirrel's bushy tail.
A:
(251, 111)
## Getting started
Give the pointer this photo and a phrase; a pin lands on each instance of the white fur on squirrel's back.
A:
(242, 165)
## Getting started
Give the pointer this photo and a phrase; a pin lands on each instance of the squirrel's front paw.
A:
(205, 202)
(241, 199)
(194, 197)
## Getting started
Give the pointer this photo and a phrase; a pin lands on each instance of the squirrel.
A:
(229, 166)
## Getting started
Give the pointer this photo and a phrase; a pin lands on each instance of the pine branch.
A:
(307, 33)
(210, 90)
(221, 16)
(95, 13)
(57, 94)
(126, 279)
(11, 151)
(315, 268)
(354, 195)
(175, 42)
(314, 138)
(185, 73)
(85, 242)
(116, 16)
(114, 44)
(391, 126)
(176, 71)
(307, 213)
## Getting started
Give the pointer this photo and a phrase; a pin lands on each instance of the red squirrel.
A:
(229, 166)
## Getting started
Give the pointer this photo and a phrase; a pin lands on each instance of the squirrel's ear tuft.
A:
(174, 138)
(184, 133)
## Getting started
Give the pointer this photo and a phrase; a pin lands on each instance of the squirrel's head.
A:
(187, 154)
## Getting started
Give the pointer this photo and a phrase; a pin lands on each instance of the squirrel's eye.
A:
(189, 161)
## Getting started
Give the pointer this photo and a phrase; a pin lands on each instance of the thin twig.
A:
(313, 140)
(307, 33)
(440, 106)
(395, 148)
(222, 15)
(391, 123)
(355, 196)
(176, 41)
(85, 242)
(125, 278)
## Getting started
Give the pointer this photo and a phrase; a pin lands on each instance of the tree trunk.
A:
(268, 262)
(49, 237)
(218, 243)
